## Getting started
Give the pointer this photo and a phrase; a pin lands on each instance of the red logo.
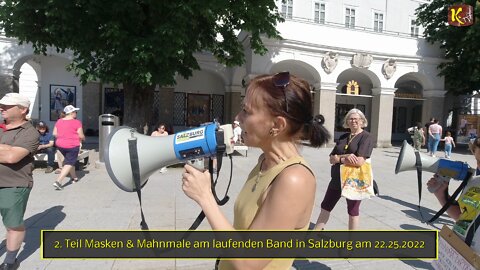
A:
(460, 15)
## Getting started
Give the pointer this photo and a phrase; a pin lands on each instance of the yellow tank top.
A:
(249, 200)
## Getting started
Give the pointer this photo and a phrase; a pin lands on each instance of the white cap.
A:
(236, 122)
(70, 108)
(15, 99)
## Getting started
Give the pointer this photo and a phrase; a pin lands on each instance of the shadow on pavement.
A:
(414, 213)
(46, 220)
(305, 264)
(416, 264)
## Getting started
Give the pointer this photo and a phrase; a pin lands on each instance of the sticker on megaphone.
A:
(447, 170)
(454, 169)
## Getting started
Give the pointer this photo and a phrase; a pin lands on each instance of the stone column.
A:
(232, 102)
(165, 108)
(91, 107)
(382, 115)
(324, 104)
(16, 80)
(433, 105)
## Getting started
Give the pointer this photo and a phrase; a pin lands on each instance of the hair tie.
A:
(309, 121)
(319, 119)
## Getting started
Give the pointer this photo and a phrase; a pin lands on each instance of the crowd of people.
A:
(431, 136)
(279, 192)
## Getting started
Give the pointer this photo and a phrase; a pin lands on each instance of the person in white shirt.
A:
(237, 132)
(435, 134)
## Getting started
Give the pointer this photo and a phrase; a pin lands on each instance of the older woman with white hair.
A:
(352, 148)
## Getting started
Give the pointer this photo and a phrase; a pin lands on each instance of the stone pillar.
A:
(433, 105)
(16, 80)
(232, 103)
(382, 115)
(324, 104)
(91, 107)
(165, 109)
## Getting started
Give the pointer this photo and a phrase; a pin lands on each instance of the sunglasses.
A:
(282, 80)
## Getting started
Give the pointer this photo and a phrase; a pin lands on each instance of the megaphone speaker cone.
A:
(405, 151)
(153, 154)
(407, 160)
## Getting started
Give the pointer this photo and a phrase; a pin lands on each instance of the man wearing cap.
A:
(46, 145)
(18, 143)
(237, 132)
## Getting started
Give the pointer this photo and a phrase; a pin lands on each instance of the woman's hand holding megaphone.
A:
(438, 185)
(197, 184)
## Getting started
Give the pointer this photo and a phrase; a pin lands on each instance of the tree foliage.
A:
(140, 43)
(461, 44)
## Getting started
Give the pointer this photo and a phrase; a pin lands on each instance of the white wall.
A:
(397, 13)
(201, 82)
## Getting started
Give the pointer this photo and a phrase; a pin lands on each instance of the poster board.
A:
(454, 254)
(198, 109)
(61, 96)
(468, 127)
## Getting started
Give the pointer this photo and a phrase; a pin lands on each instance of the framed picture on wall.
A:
(198, 109)
(61, 96)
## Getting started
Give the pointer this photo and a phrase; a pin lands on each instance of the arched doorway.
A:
(354, 90)
(407, 106)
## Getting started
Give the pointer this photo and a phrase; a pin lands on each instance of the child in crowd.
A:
(449, 142)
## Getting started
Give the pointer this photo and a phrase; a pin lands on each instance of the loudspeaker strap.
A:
(214, 182)
(221, 202)
(418, 165)
(132, 147)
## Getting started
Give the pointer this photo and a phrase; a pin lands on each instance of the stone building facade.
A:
(364, 54)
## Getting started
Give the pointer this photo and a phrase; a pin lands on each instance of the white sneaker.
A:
(57, 185)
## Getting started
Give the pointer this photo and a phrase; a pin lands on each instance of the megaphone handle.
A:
(440, 180)
(201, 216)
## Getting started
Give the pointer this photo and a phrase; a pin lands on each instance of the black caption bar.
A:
(420, 244)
